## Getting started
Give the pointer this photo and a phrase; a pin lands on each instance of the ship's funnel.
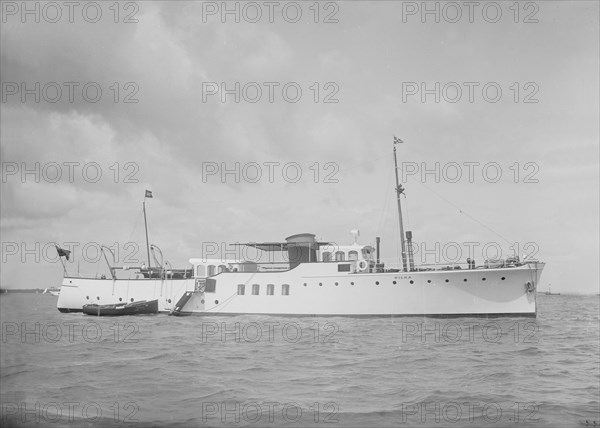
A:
(302, 248)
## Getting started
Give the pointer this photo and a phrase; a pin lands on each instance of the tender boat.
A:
(312, 277)
(133, 308)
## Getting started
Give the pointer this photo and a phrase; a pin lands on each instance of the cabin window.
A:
(339, 256)
(353, 255)
(241, 289)
(255, 289)
(201, 270)
(222, 268)
(211, 270)
(285, 289)
(344, 267)
(326, 256)
(270, 289)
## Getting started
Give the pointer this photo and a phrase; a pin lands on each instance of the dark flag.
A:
(148, 194)
(397, 140)
(63, 253)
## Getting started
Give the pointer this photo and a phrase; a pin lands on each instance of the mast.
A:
(146, 227)
(399, 191)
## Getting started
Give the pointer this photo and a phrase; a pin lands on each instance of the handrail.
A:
(225, 263)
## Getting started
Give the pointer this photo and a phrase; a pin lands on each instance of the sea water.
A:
(78, 370)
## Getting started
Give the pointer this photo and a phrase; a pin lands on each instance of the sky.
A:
(497, 107)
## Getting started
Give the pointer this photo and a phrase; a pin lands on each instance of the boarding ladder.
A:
(181, 303)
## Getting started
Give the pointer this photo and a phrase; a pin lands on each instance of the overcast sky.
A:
(527, 108)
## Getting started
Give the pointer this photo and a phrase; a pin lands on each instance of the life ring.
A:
(362, 265)
(529, 286)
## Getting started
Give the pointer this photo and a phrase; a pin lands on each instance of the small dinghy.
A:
(142, 307)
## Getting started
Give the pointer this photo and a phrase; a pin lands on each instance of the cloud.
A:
(162, 141)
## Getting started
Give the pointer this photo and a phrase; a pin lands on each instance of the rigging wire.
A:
(141, 213)
(406, 211)
(460, 210)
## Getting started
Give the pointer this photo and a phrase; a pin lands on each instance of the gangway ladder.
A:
(181, 303)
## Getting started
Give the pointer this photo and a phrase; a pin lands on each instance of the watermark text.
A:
(269, 331)
(270, 92)
(53, 12)
(470, 92)
(255, 172)
(453, 12)
(453, 412)
(270, 412)
(253, 12)
(475, 331)
(69, 331)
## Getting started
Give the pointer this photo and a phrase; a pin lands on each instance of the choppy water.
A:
(75, 370)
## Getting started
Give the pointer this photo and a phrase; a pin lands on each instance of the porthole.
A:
(87, 297)
(97, 297)
(503, 278)
(169, 300)
(429, 281)
(336, 284)
(132, 300)
(216, 302)
(320, 284)
(394, 282)
(447, 280)
(305, 284)
(483, 279)
(411, 281)
(376, 282)
(465, 280)
(202, 301)
(352, 283)
(120, 299)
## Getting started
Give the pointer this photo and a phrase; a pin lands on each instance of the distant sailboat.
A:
(550, 293)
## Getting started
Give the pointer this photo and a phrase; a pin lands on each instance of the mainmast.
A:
(399, 191)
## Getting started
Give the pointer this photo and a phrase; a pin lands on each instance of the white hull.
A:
(466, 292)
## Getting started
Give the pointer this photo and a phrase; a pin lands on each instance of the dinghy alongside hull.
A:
(135, 308)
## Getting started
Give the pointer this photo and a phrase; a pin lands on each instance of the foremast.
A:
(148, 194)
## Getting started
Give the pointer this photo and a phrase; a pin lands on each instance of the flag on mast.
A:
(62, 253)
(397, 140)
(148, 194)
